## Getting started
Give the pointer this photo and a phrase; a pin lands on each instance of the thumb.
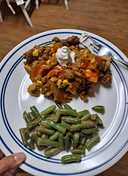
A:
(11, 162)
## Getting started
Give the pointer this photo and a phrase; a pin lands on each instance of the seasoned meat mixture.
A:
(62, 83)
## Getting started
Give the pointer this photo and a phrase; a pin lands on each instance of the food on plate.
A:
(63, 70)
(61, 128)
(99, 109)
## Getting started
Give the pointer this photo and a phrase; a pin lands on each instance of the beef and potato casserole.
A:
(61, 83)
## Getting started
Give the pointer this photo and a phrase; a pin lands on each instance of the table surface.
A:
(105, 18)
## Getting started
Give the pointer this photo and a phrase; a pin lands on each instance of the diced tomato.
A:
(91, 75)
(84, 64)
(55, 72)
(55, 47)
(39, 70)
(36, 70)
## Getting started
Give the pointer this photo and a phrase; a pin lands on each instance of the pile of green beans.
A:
(62, 128)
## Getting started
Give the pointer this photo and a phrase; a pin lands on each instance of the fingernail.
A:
(19, 158)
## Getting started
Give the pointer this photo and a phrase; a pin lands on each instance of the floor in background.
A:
(105, 18)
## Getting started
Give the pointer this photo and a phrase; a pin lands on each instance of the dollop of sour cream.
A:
(64, 56)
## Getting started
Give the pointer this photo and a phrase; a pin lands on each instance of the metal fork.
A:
(100, 50)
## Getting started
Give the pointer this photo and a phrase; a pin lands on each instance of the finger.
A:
(1, 154)
(8, 174)
(11, 162)
(11, 172)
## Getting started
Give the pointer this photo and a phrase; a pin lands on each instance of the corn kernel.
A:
(35, 53)
(65, 82)
(48, 62)
(82, 50)
(27, 68)
(39, 83)
(59, 82)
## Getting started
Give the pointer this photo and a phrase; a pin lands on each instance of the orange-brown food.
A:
(62, 83)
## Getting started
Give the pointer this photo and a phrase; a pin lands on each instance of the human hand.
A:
(9, 164)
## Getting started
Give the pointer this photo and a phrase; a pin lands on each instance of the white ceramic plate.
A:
(14, 99)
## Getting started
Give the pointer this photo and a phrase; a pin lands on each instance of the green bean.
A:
(45, 131)
(83, 113)
(35, 112)
(99, 109)
(83, 149)
(82, 139)
(61, 139)
(90, 131)
(44, 136)
(40, 147)
(76, 151)
(99, 122)
(67, 142)
(34, 137)
(31, 116)
(92, 141)
(76, 138)
(70, 158)
(76, 127)
(44, 124)
(26, 117)
(86, 117)
(24, 135)
(57, 115)
(58, 127)
(52, 117)
(88, 124)
(33, 124)
(31, 144)
(68, 112)
(71, 120)
(52, 151)
(48, 142)
(39, 134)
(54, 136)
(84, 124)
(68, 116)
(65, 125)
(48, 110)
(67, 106)
(82, 136)
(94, 117)
(82, 145)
